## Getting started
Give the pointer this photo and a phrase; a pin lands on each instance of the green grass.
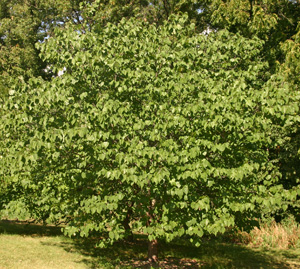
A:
(34, 246)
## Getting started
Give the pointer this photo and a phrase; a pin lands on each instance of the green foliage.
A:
(263, 18)
(272, 21)
(23, 23)
(156, 127)
(277, 23)
(18, 56)
(289, 151)
(98, 13)
(291, 66)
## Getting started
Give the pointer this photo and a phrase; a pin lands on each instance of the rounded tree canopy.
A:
(161, 128)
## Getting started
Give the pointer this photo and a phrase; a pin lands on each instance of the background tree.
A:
(272, 21)
(276, 23)
(23, 23)
(98, 13)
(289, 151)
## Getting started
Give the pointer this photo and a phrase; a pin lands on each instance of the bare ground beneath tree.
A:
(169, 262)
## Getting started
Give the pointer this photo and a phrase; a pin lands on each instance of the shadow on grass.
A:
(292, 255)
(26, 228)
(211, 254)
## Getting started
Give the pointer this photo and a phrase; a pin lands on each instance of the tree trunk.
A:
(126, 226)
(152, 251)
(128, 231)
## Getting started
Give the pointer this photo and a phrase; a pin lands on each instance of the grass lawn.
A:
(34, 246)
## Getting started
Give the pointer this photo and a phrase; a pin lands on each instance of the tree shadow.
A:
(292, 255)
(27, 228)
(180, 254)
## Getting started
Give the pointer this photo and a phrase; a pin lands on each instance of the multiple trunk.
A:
(126, 225)
(152, 251)
(152, 245)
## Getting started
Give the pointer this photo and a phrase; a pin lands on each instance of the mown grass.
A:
(35, 246)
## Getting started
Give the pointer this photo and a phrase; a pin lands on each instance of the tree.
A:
(154, 129)
(276, 23)
(23, 23)
(98, 13)
(18, 35)
(272, 21)
(289, 151)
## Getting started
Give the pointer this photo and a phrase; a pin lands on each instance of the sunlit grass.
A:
(17, 251)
